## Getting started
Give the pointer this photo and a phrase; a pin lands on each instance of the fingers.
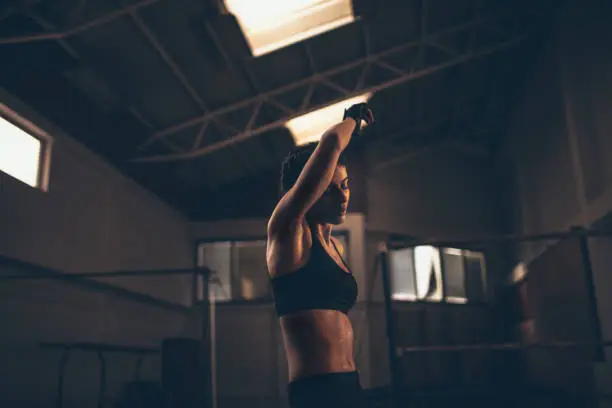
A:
(361, 112)
(369, 116)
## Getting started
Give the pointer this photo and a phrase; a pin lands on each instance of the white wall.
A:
(92, 219)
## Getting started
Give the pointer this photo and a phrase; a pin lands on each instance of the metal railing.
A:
(395, 353)
(16, 271)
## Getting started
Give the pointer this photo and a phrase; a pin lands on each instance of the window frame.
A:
(443, 283)
(253, 33)
(46, 143)
(197, 297)
(232, 240)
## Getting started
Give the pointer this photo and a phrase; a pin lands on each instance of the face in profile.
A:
(332, 206)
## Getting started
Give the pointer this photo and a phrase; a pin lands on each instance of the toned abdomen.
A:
(318, 341)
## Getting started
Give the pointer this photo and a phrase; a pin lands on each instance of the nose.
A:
(344, 196)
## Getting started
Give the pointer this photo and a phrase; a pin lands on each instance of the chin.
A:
(338, 219)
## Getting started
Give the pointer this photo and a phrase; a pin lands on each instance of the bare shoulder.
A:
(286, 248)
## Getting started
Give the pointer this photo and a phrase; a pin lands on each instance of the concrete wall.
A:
(560, 144)
(440, 194)
(78, 311)
(92, 219)
(437, 194)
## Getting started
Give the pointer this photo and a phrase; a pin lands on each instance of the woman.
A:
(313, 288)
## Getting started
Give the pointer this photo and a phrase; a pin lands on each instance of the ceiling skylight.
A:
(311, 126)
(269, 25)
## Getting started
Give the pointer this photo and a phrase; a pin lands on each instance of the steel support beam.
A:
(180, 76)
(454, 144)
(253, 105)
(63, 42)
(58, 35)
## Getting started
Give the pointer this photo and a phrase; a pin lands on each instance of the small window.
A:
(250, 270)
(239, 270)
(310, 127)
(25, 149)
(426, 273)
(216, 256)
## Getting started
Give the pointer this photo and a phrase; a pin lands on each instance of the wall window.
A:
(426, 273)
(240, 270)
(25, 150)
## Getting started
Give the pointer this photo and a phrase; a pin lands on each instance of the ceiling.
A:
(168, 92)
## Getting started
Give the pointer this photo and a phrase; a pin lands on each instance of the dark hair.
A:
(295, 162)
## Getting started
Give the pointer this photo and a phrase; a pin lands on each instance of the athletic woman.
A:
(313, 287)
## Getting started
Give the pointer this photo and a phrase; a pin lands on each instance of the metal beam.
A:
(314, 79)
(180, 76)
(58, 35)
(159, 49)
(48, 26)
(430, 126)
(454, 144)
(324, 78)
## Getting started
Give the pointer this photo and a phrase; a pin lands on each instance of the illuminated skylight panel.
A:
(311, 126)
(269, 25)
(20, 153)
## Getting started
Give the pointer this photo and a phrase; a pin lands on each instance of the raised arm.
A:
(318, 171)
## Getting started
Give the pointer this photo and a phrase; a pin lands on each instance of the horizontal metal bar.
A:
(161, 272)
(246, 103)
(455, 144)
(281, 122)
(58, 35)
(100, 347)
(572, 233)
(503, 346)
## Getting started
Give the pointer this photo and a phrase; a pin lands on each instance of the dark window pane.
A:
(454, 275)
(475, 276)
(251, 272)
(401, 271)
(217, 257)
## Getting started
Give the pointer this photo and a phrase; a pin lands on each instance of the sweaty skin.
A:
(316, 341)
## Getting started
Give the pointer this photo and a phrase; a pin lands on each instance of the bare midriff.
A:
(317, 342)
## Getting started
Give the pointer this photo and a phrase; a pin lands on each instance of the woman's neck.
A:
(322, 230)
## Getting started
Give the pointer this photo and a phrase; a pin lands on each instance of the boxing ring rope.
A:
(395, 352)
(400, 351)
(100, 349)
(202, 308)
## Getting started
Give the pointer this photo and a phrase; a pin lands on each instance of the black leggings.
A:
(333, 390)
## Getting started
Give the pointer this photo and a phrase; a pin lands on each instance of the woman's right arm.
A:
(315, 177)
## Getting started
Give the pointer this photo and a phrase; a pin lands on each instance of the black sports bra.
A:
(320, 284)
